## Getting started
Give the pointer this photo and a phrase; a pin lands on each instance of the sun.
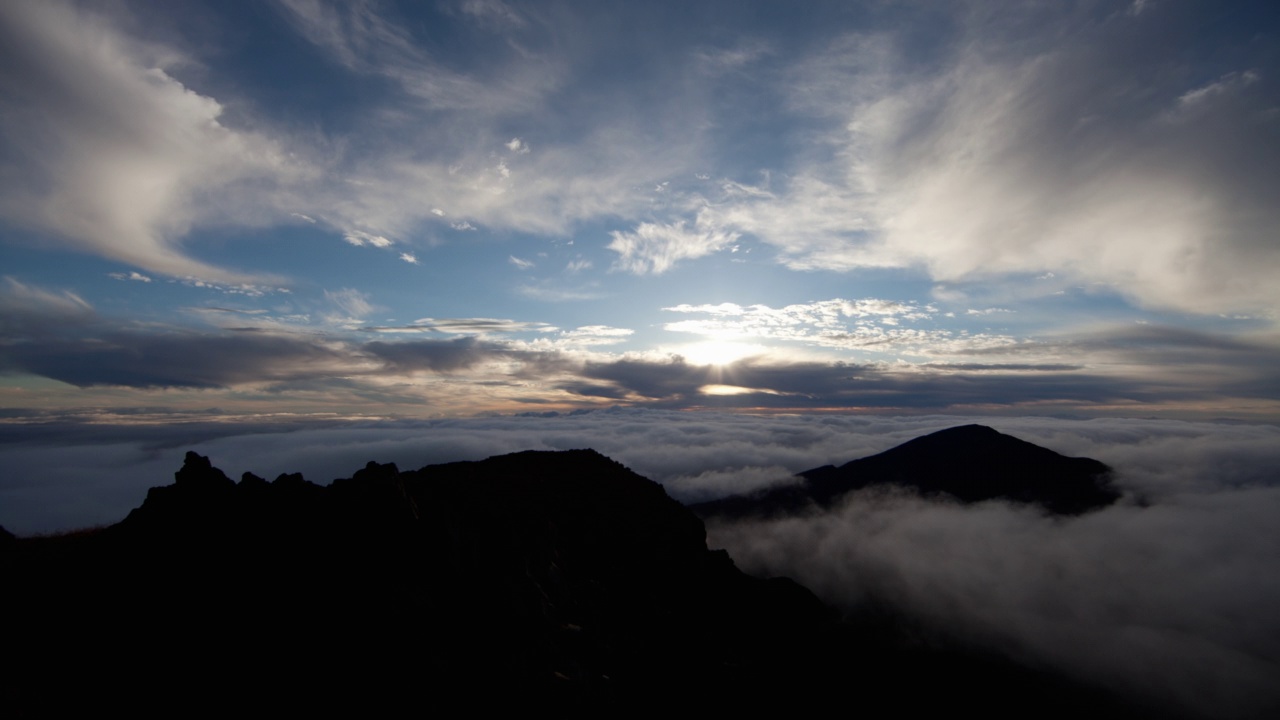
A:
(717, 352)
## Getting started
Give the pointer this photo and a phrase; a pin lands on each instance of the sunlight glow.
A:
(718, 352)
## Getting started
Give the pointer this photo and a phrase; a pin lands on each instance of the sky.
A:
(720, 242)
(236, 211)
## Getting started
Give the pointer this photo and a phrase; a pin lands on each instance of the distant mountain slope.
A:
(971, 463)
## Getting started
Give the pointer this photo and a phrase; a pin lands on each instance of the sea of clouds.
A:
(1171, 596)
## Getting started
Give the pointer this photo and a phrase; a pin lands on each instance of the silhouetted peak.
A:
(197, 471)
(376, 471)
(969, 463)
(964, 439)
(289, 480)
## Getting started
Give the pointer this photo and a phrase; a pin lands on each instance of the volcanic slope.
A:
(970, 463)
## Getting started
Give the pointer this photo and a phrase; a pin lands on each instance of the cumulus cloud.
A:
(652, 249)
(409, 258)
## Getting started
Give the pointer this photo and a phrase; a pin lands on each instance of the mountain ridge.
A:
(550, 579)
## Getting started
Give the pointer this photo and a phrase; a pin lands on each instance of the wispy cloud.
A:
(121, 159)
(989, 165)
(466, 326)
(652, 249)
(350, 301)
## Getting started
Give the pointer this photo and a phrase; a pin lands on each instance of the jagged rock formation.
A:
(971, 463)
(554, 580)
(556, 577)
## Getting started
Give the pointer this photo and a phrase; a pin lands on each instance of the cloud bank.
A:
(1170, 597)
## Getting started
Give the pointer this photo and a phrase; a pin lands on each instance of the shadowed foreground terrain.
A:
(543, 579)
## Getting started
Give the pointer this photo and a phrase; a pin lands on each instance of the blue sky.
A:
(399, 210)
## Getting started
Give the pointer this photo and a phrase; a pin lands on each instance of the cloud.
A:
(868, 324)
(1166, 601)
(134, 275)
(520, 262)
(351, 301)
(468, 326)
(595, 335)
(493, 12)
(360, 238)
(1168, 598)
(718, 61)
(409, 258)
(547, 291)
(517, 146)
(434, 355)
(178, 359)
(1158, 369)
(28, 312)
(117, 158)
(367, 40)
(652, 249)
(1012, 156)
(1232, 82)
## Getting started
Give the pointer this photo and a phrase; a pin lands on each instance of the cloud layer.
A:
(1170, 597)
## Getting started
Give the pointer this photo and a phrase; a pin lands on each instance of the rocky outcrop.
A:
(561, 577)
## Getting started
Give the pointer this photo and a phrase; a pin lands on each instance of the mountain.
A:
(534, 580)
(971, 463)
(558, 578)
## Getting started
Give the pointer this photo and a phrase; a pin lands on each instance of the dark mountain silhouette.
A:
(971, 463)
(554, 580)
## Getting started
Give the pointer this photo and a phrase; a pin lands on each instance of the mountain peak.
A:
(969, 463)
